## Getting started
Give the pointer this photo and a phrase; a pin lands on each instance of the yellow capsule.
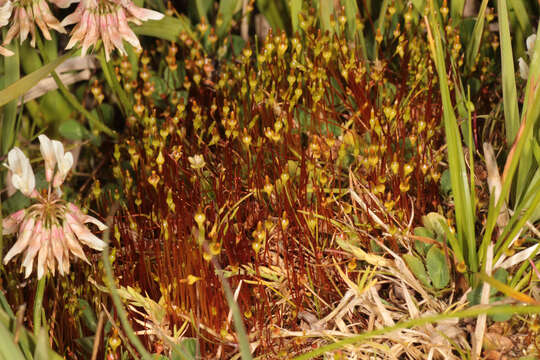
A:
(284, 222)
(394, 166)
(404, 186)
(160, 160)
(407, 169)
(215, 248)
(200, 218)
(256, 247)
(153, 179)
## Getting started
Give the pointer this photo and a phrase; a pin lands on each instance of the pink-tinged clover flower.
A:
(26, 15)
(51, 228)
(5, 14)
(107, 20)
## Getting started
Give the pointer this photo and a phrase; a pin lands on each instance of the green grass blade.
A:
(511, 112)
(474, 45)
(9, 121)
(351, 12)
(226, 11)
(530, 116)
(522, 15)
(8, 349)
(295, 8)
(456, 9)
(458, 172)
(273, 11)
(168, 28)
(203, 6)
(380, 26)
(21, 86)
(326, 9)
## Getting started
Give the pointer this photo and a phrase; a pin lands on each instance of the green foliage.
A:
(437, 268)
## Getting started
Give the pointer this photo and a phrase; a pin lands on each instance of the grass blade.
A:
(456, 9)
(21, 86)
(474, 45)
(351, 12)
(226, 11)
(11, 71)
(296, 8)
(522, 16)
(458, 172)
(511, 112)
(168, 28)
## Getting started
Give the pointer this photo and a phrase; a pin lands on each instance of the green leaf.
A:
(437, 267)
(21, 86)
(72, 130)
(186, 350)
(424, 232)
(226, 11)
(88, 315)
(296, 8)
(274, 12)
(464, 205)
(238, 44)
(434, 222)
(417, 267)
(351, 11)
(326, 9)
(446, 183)
(203, 6)
(8, 349)
(9, 121)
(510, 99)
(42, 350)
(473, 45)
(168, 28)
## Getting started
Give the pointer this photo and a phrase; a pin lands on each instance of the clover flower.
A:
(523, 67)
(107, 20)
(51, 228)
(26, 15)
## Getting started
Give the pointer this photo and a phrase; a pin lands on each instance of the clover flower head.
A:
(107, 20)
(51, 228)
(26, 15)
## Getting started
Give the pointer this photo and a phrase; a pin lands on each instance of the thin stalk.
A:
(114, 84)
(38, 304)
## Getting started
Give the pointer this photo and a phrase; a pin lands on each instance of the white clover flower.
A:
(522, 65)
(51, 228)
(47, 150)
(64, 162)
(22, 176)
(531, 42)
(5, 14)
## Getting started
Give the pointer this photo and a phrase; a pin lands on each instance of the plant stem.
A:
(38, 304)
